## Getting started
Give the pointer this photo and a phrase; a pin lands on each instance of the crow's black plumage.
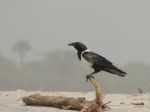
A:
(95, 61)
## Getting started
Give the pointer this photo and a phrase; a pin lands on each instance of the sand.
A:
(10, 101)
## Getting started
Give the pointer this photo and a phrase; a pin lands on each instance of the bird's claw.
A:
(87, 77)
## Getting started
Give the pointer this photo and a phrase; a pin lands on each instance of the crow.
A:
(95, 61)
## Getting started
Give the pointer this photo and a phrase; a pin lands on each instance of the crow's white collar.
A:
(85, 51)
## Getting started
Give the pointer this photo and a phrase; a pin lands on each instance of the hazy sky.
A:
(116, 29)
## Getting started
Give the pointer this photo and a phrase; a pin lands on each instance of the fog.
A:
(117, 30)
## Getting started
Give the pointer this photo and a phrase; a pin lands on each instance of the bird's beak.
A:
(71, 44)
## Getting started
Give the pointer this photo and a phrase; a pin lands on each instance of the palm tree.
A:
(21, 47)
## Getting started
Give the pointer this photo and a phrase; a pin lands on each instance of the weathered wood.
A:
(97, 104)
(79, 104)
(56, 101)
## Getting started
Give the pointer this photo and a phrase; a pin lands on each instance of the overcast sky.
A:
(116, 29)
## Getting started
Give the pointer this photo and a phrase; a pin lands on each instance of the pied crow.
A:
(95, 61)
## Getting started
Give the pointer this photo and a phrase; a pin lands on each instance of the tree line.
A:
(60, 70)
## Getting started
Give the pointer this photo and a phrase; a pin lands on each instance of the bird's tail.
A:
(115, 70)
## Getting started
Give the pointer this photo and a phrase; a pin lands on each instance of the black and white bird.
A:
(95, 61)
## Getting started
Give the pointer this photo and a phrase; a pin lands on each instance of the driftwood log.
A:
(60, 102)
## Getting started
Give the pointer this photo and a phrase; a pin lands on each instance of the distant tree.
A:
(21, 47)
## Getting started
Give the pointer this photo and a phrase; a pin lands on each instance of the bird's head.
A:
(78, 46)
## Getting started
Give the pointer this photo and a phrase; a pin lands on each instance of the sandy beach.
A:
(11, 101)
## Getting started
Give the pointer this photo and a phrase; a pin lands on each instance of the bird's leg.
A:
(90, 75)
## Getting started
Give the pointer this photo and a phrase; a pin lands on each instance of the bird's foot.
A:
(87, 77)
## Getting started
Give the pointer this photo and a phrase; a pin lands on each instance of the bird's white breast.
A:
(84, 61)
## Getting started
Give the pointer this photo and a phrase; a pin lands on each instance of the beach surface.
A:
(11, 101)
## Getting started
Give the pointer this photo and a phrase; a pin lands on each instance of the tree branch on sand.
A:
(80, 104)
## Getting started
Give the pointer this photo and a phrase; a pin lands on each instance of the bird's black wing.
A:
(96, 59)
(102, 63)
